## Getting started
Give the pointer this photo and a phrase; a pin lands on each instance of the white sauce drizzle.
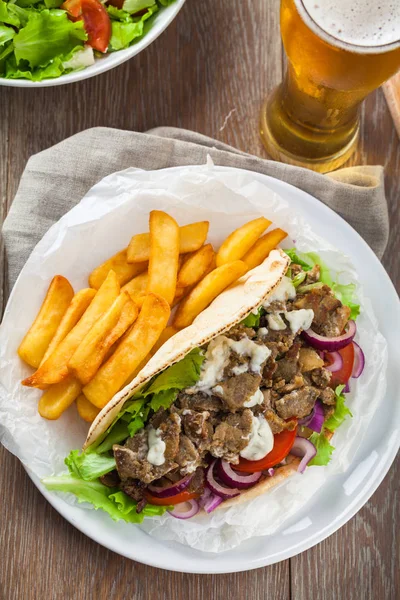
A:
(261, 440)
(256, 398)
(275, 322)
(155, 455)
(300, 319)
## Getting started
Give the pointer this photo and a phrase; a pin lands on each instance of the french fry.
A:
(241, 240)
(191, 238)
(195, 266)
(205, 292)
(164, 255)
(55, 369)
(86, 410)
(117, 263)
(137, 285)
(90, 354)
(259, 252)
(165, 335)
(36, 341)
(58, 398)
(141, 338)
(75, 310)
(182, 292)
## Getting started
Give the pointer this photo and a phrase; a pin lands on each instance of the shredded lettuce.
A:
(253, 320)
(346, 293)
(320, 441)
(114, 502)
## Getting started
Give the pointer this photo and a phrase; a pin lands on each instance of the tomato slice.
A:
(177, 499)
(96, 20)
(283, 443)
(343, 375)
(73, 8)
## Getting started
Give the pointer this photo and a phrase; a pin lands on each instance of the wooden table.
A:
(208, 72)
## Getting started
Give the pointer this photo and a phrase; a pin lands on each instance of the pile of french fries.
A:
(86, 346)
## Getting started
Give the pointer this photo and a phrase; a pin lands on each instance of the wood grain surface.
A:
(208, 72)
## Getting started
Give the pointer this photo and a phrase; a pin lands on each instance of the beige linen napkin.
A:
(57, 178)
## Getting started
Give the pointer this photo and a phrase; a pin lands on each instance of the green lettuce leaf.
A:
(341, 410)
(163, 399)
(89, 465)
(179, 376)
(49, 34)
(135, 6)
(6, 34)
(324, 449)
(126, 28)
(118, 505)
(9, 14)
(253, 320)
(296, 258)
(118, 433)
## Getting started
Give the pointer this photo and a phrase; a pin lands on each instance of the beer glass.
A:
(338, 52)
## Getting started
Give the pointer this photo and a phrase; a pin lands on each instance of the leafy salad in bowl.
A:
(47, 39)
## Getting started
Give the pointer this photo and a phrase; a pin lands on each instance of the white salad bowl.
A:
(162, 19)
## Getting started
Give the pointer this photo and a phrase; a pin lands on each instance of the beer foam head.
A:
(366, 23)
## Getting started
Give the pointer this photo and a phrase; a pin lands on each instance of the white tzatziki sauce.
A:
(261, 440)
(155, 454)
(284, 291)
(217, 358)
(256, 398)
(300, 319)
(275, 322)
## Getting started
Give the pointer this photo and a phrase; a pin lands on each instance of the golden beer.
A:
(312, 118)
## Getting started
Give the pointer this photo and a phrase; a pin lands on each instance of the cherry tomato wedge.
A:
(96, 20)
(283, 443)
(343, 375)
(181, 497)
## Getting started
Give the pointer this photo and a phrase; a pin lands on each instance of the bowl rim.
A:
(163, 19)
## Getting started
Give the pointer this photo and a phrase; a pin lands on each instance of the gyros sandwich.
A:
(230, 406)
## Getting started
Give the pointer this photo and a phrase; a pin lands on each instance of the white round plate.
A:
(342, 495)
(162, 19)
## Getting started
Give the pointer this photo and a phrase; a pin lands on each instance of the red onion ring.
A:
(178, 511)
(318, 418)
(305, 449)
(337, 362)
(170, 490)
(217, 488)
(234, 479)
(330, 344)
(305, 420)
(359, 361)
(209, 501)
(271, 472)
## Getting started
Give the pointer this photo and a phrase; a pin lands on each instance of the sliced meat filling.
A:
(330, 315)
(188, 457)
(131, 459)
(232, 435)
(199, 402)
(236, 392)
(298, 403)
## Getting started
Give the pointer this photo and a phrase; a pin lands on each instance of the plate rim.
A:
(58, 503)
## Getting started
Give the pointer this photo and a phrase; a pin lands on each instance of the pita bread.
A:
(228, 309)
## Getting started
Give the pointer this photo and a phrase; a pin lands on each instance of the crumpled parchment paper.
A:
(100, 225)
